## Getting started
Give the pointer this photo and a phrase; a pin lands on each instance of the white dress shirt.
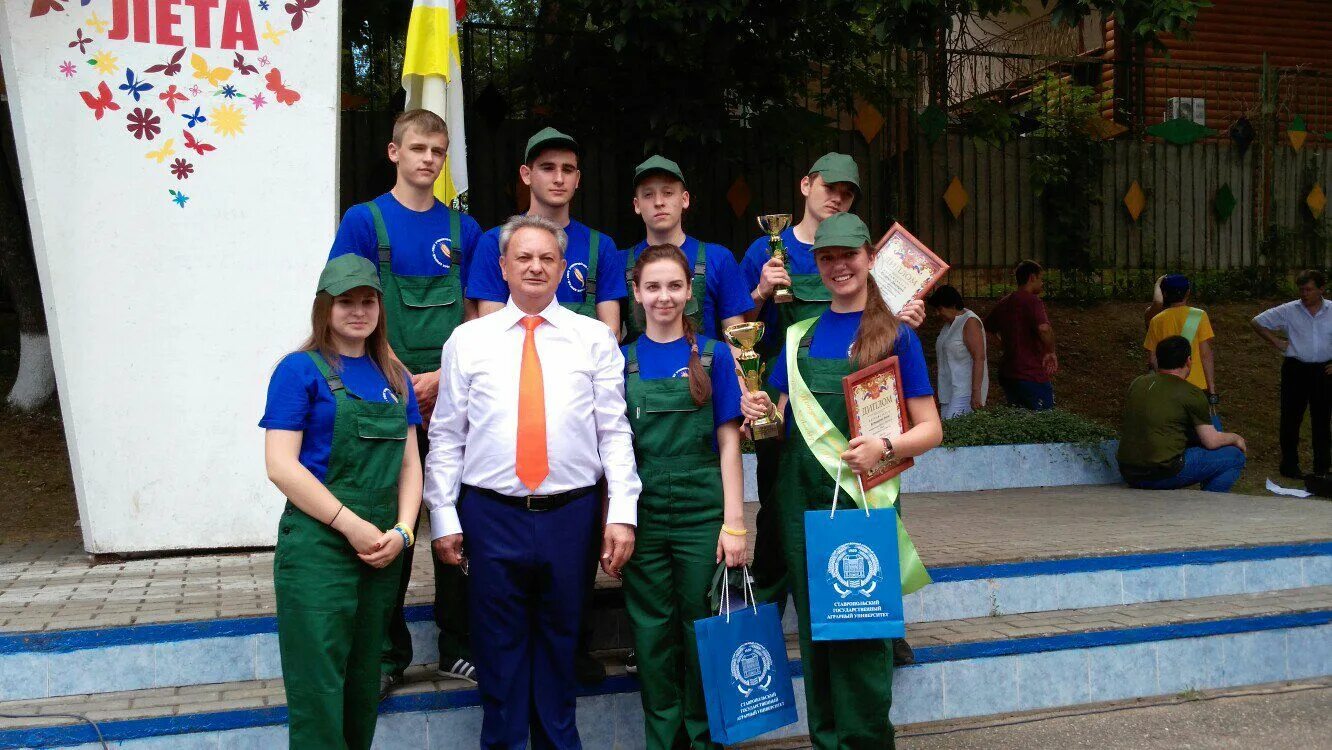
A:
(474, 428)
(1310, 335)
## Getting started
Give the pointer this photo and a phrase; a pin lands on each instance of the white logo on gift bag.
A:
(751, 668)
(854, 568)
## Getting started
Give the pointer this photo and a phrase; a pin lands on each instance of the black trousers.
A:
(1306, 385)
(450, 605)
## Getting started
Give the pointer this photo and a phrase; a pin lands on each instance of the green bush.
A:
(1007, 425)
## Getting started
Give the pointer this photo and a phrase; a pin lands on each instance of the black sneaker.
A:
(631, 662)
(460, 669)
(588, 669)
(388, 683)
(902, 653)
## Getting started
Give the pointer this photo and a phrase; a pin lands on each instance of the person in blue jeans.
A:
(1168, 439)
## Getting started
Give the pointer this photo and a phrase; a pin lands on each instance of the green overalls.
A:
(769, 567)
(848, 684)
(634, 319)
(333, 609)
(422, 311)
(680, 514)
(588, 305)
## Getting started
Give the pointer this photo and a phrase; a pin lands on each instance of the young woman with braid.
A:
(848, 684)
(684, 406)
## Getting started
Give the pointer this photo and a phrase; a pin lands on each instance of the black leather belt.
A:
(534, 502)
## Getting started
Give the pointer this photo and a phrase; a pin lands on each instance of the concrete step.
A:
(966, 667)
(225, 649)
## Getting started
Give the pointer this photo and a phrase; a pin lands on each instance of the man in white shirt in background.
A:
(1306, 370)
(530, 416)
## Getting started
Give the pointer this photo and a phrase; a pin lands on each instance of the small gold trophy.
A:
(774, 225)
(749, 365)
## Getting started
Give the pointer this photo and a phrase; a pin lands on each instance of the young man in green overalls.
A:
(423, 250)
(593, 283)
(831, 186)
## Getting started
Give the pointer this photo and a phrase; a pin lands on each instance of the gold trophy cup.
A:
(749, 365)
(774, 225)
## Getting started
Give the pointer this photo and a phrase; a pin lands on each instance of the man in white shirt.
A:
(528, 508)
(1306, 371)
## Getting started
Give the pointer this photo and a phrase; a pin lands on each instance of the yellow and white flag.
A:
(432, 78)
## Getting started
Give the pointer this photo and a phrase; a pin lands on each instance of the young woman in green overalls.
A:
(848, 684)
(341, 445)
(684, 406)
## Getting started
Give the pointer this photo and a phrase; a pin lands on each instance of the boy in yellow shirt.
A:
(1179, 319)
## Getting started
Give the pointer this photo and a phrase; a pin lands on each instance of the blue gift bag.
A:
(746, 677)
(855, 584)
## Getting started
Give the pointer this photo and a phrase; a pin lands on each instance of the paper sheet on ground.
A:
(1277, 489)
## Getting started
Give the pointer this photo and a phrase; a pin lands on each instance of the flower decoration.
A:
(258, 100)
(227, 120)
(182, 169)
(228, 91)
(178, 197)
(143, 124)
(105, 63)
(81, 42)
(195, 91)
(96, 23)
(68, 69)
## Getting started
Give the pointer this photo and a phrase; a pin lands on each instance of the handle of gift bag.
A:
(837, 489)
(748, 594)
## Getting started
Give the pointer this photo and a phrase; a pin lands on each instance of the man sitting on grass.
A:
(1167, 440)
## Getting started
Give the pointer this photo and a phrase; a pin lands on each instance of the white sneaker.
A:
(460, 670)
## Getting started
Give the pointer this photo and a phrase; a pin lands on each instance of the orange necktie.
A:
(530, 463)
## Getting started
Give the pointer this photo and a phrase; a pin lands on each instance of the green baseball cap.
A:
(657, 164)
(548, 138)
(841, 230)
(348, 272)
(835, 167)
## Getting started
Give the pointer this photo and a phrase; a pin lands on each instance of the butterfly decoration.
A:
(214, 76)
(240, 65)
(195, 118)
(283, 94)
(168, 150)
(273, 35)
(81, 42)
(96, 23)
(100, 103)
(196, 145)
(134, 86)
(170, 67)
(42, 7)
(171, 96)
(298, 10)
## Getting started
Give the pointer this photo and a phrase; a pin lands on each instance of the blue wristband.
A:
(405, 541)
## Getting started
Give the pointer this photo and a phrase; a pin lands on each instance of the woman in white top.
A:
(964, 378)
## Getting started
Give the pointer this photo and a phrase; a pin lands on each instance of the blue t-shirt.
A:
(419, 238)
(486, 283)
(751, 267)
(725, 295)
(299, 400)
(833, 335)
(671, 360)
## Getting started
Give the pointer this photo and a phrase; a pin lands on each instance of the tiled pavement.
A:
(209, 698)
(54, 586)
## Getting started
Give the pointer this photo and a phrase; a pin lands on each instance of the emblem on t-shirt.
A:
(390, 396)
(576, 277)
(683, 372)
(440, 252)
(751, 668)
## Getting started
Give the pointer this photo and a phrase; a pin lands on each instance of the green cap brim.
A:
(542, 142)
(346, 272)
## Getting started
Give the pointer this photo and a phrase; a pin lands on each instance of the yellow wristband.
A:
(411, 538)
(733, 532)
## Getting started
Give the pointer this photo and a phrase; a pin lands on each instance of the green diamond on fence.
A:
(1181, 131)
(933, 122)
(1224, 203)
